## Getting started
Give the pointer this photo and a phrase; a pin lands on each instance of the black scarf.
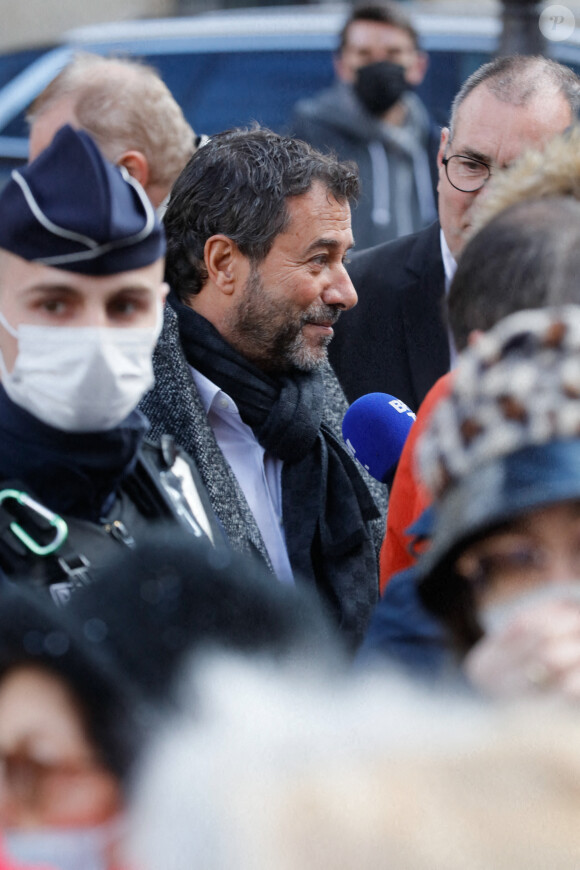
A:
(326, 504)
(73, 473)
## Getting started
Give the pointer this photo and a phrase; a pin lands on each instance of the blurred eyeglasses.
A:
(514, 562)
(466, 173)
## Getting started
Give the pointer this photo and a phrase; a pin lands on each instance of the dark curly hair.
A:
(237, 184)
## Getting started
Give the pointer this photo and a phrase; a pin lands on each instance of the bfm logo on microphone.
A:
(402, 408)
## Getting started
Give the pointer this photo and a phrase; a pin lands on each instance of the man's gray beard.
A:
(252, 332)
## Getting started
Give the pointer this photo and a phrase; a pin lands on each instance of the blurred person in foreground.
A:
(535, 263)
(258, 232)
(501, 456)
(69, 731)
(281, 771)
(81, 307)
(162, 601)
(129, 112)
(397, 339)
(371, 115)
(83, 689)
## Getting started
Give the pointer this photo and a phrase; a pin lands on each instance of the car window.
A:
(14, 62)
(18, 126)
(221, 90)
(218, 90)
(11, 64)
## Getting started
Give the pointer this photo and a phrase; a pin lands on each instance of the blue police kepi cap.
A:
(72, 209)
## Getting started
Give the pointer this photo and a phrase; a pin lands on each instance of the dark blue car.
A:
(229, 68)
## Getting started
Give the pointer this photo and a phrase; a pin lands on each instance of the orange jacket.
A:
(408, 497)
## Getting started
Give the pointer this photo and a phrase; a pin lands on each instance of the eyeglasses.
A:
(465, 173)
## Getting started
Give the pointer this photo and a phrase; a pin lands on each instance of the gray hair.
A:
(124, 104)
(517, 79)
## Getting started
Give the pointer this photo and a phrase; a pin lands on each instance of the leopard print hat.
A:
(519, 385)
(507, 438)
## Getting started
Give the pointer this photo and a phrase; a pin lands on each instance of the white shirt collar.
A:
(449, 266)
(449, 261)
(258, 473)
(209, 392)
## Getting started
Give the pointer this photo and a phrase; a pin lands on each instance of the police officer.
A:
(81, 301)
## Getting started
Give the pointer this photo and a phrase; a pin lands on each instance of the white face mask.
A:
(81, 379)
(62, 848)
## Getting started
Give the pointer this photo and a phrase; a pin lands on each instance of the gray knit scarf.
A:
(326, 504)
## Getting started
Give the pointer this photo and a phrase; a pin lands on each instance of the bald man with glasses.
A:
(396, 339)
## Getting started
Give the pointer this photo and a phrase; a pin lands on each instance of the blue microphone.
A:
(375, 428)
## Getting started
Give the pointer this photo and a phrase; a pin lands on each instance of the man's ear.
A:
(163, 291)
(440, 155)
(341, 69)
(415, 73)
(221, 255)
(136, 165)
(444, 141)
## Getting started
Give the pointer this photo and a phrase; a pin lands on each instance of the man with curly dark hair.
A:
(258, 229)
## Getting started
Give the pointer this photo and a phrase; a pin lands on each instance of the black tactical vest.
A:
(44, 549)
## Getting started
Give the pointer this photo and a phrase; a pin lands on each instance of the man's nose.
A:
(95, 315)
(341, 291)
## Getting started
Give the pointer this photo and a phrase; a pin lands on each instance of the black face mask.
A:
(379, 85)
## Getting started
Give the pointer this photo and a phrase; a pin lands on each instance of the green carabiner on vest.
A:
(59, 525)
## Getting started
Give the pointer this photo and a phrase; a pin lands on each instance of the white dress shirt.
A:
(258, 473)
(449, 267)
